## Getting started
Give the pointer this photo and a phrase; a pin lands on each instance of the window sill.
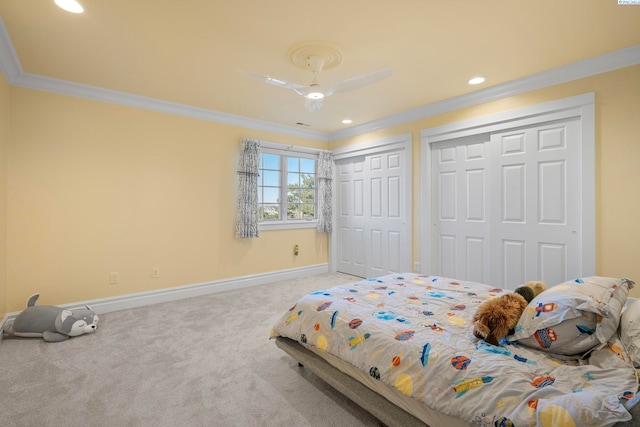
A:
(277, 225)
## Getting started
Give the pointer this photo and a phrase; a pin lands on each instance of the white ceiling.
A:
(188, 52)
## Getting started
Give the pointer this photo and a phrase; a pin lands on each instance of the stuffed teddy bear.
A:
(493, 320)
(52, 323)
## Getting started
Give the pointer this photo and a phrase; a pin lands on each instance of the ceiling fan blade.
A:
(272, 80)
(357, 82)
(314, 93)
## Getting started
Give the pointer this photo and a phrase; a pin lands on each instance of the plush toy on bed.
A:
(52, 323)
(495, 318)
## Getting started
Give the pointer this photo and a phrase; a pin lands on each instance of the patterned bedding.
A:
(414, 333)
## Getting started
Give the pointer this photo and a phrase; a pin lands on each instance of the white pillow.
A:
(573, 317)
(630, 331)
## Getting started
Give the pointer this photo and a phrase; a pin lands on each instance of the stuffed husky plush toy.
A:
(52, 323)
(495, 318)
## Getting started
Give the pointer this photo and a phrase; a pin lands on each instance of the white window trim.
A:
(294, 151)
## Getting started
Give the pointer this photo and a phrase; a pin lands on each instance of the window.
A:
(286, 189)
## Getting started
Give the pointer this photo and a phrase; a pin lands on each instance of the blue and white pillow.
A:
(630, 330)
(573, 317)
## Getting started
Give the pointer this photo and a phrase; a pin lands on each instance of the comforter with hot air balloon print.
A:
(414, 333)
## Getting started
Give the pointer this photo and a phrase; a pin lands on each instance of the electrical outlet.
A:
(416, 267)
(114, 278)
(155, 273)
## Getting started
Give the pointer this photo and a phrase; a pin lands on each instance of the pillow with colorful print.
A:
(573, 317)
(630, 330)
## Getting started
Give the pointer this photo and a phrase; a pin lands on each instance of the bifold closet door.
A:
(386, 224)
(537, 218)
(351, 254)
(372, 227)
(461, 234)
(506, 206)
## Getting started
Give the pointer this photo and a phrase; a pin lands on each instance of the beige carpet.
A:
(203, 361)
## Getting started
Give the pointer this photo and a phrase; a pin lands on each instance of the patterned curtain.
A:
(247, 209)
(324, 192)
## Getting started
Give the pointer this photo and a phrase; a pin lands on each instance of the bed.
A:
(402, 347)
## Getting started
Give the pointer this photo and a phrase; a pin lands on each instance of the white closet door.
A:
(350, 220)
(506, 207)
(537, 215)
(373, 231)
(461, 238)
(386, 217)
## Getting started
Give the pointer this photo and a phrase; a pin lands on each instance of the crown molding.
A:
(600, 64)
(65, 87)
(12, 70)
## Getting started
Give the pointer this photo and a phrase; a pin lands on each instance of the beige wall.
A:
(4, 125)
(96, 188)
(617, 159)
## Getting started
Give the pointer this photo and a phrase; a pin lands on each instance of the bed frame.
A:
(363, 396)
(378, 406)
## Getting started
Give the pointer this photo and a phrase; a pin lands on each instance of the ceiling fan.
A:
(316, 57)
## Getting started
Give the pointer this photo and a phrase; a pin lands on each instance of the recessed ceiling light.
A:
(70, 6)
(476, 80)
(347, 121)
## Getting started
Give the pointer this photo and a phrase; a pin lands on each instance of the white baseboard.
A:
(4, 320)
(123, 302)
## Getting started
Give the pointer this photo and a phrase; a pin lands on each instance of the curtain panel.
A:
(324, 177)
(247, 208)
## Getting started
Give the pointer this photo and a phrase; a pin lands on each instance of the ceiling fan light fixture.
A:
(315, 95)
(70, 6)
(315, 57)
(313, 104)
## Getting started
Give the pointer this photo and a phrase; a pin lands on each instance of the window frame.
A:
(285, 152)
